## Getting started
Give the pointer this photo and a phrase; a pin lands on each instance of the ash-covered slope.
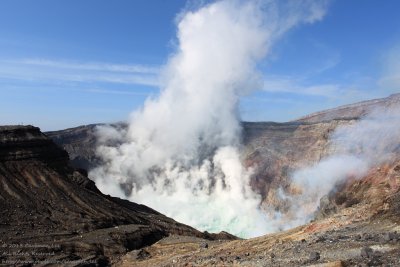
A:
(49, 211)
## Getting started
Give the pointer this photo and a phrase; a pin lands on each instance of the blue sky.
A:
(67, 63)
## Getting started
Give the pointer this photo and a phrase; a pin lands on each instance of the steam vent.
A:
(200, 133)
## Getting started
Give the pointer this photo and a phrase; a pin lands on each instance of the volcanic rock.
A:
(51, 212)
(204, 245)
(367, 252)
(314, 256)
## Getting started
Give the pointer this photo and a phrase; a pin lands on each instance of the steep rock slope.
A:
(275, 150)
(49, 211)
(80, 142)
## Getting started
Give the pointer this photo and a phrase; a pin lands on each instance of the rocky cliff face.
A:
(80, 142)
(50, 211)
(27, 142)
(276, 150)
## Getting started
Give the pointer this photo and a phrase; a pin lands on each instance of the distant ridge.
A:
(351, 111)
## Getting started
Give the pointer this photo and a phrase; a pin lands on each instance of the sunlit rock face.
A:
(276, 150)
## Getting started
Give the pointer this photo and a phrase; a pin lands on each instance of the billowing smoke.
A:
(360, 146)
(180, 153)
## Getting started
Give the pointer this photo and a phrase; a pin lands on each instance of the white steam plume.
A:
(358, 147)
(180, 154)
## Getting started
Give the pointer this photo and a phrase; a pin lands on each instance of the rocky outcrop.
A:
(50, 211)
(27, 142)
